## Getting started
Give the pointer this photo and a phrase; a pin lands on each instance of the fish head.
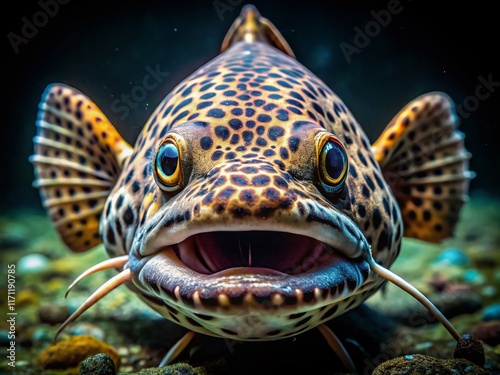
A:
(249, 206)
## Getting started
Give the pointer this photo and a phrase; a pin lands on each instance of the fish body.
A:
(252, 205)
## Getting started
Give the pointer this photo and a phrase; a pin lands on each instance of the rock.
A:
(492, 312)
(474, 277)
(85, 328)
(419, 364)
(99, 364)
(470, 348)
(69, 353)
(451, 304)
(489, 332)
(453, 256)
(175, 369)
(53, 314)
(31, 264)
(42, 335)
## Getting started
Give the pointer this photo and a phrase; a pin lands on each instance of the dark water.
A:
(105, 49)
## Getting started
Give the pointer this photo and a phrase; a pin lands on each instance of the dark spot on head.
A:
(235, 124)
(275, 132)
(293, 143)
(206, 142)
(216, 155)
(135, 186)
(128, 216)
(264, 118)
(377, 218)
(222, 132)
(216, 113)
(260, 180)
(365, 191)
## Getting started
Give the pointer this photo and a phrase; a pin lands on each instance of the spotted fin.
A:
(78, 156)
(250, 26)
(423, 158)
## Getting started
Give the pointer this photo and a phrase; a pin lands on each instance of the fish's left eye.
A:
(332, 165)
(167, 167)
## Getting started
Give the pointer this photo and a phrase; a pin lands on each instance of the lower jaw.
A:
(166, 277)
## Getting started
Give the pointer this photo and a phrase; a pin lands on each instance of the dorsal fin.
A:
(250, 26)
(423, 159)
(78, 157)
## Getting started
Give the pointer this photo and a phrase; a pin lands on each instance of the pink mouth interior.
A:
(212, 252)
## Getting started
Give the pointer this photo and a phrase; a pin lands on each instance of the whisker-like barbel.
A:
(107, 287)
(410, 289)
(117, 262)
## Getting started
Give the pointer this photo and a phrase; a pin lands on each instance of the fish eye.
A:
(332, 165)
(167, 167)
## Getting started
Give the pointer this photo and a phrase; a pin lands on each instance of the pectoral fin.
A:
(423, 158)
(77, 159)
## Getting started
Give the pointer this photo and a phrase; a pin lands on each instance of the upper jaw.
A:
(334, 267)
(324, 224)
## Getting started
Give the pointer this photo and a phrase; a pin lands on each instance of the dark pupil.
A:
(168, 159)
(334, 162)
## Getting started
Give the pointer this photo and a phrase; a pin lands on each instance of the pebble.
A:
(474, 277)
(31, 264)
(53, 314)
(99, 364)
(424, 345)
(123, 351)
(488, 332)
(135, 349)
(471, 349)
(453, 256)
(489, 291)
(84, 328)
(492, 312)
(42, 335)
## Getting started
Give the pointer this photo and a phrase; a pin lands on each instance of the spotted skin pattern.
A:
(248, 127)
(253, 113)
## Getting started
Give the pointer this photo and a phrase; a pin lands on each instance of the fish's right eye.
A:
(167, 166)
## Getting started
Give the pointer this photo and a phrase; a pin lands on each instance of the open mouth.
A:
(291, 254)
(206, 269)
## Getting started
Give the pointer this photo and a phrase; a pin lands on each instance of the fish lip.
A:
(163, 275)
(334, 229)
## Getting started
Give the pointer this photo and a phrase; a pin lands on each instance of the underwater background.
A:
(105, 49)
